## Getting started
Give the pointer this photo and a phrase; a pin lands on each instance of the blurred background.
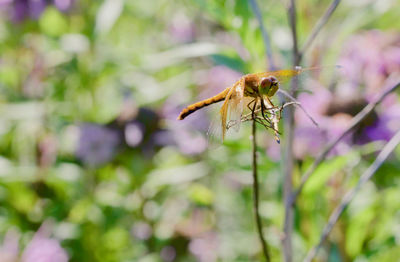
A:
(94, 165)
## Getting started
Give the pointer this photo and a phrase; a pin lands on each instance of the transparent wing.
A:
(214, 133)
(231, 110)
(282, 75)
(217, 130)
(235, 107)
(229, 116)
(301, 74)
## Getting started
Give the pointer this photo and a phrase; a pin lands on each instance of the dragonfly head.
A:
(268, 86)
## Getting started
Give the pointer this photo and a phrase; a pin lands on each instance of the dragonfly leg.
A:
(249, 104)
(280, 111)
(253, 109)
(264, 112)
(275, 120)
(250, 107)
(261, 121)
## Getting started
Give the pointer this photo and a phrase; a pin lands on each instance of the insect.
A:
(259, 88)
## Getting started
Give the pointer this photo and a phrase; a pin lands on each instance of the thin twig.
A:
(288, 185)
(288, 157)
(265, 35)
(386, 151)
(317, 28)
(294, 100)
(289, 128)
(256, 195)
(354, 122)
(271, 66)
(293, 28)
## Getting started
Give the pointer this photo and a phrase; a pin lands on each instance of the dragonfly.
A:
(253, 90)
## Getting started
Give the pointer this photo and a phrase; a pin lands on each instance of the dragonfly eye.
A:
(268, 85)
(274, 80)
(265, 82)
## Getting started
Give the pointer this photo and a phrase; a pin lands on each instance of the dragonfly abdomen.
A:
(196, 106)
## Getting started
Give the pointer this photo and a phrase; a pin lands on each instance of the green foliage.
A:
(53, 23)
(170, 196)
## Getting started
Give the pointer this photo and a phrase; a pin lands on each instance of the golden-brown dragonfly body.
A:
(260, 86)
(196, 106)
(251, 90)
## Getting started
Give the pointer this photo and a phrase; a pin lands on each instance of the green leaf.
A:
(242, 9)
(201, 195)
(9, 76)
(323, 173)
(357, 231)
(234, 63)
(53, 23)
(21, 197)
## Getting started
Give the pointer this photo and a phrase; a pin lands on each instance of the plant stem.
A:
(264, 33)
(288, 185)
(321, 22)
(256, 194)
(289, 123)
(354, 122)
(271, 66)
(288, 159)
(386, 151)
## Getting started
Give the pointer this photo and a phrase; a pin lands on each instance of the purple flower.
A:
(36, 7)
(9, 248)
(20, 10)
(205, 247)
(23, 9)
(190, 143)
(369, 60)
(163, 138)
(215, 80)
(142, 230)
(308, 141)
(28, 8)
(377, 131)
(5, 2)
(134, 133)
(182, 28)
(168, 253)
(63, 5)
(97, 144)
(44, 249)
(385, 126)
(40, 248)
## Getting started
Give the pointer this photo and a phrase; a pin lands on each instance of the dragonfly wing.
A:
(231, 110)
(219, 124)
(224, 114)
(302, 74)
(214, 133)
(282, 75)
(235, 107)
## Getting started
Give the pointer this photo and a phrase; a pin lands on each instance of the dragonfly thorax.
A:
(256, 87)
